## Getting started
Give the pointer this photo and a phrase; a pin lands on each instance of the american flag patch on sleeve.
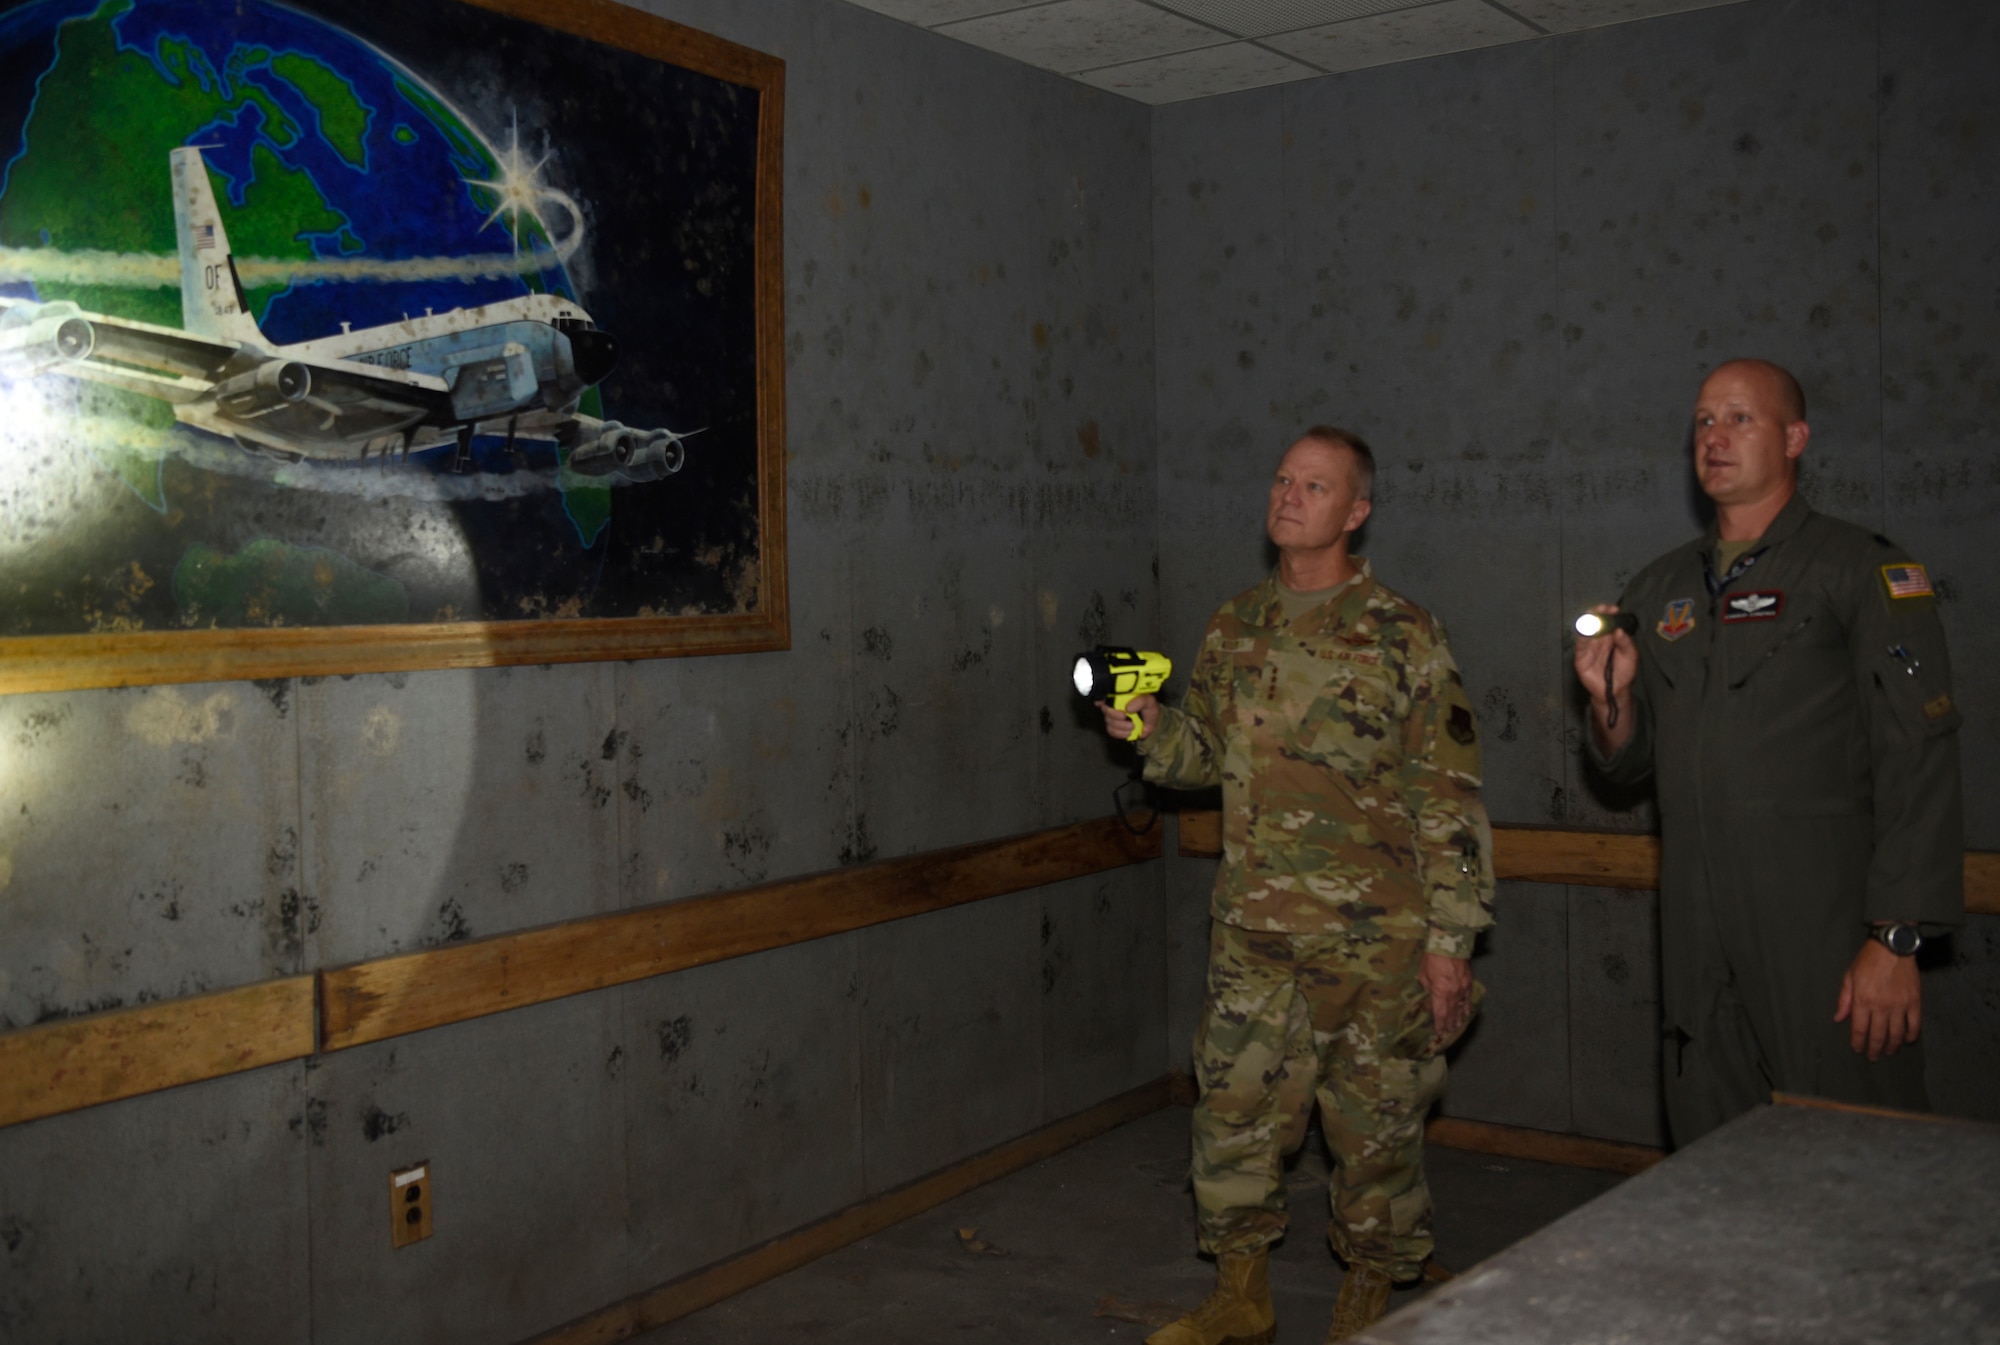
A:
(1907, 581)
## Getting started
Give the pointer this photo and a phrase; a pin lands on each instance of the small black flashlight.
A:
(1592, 624)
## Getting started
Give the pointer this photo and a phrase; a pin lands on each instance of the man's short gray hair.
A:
(1364, 456)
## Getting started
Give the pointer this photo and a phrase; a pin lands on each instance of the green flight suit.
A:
(1796, 716)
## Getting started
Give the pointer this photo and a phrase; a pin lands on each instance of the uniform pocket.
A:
(1919, 691)
(1409, 1087)
(1410, 1212)
(1354, 722)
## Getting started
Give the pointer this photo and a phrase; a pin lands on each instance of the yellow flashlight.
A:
(1117, 673)
(1591, 624)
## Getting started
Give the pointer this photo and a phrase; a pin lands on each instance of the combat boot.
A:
(1364, 1297)
(1238, 1312)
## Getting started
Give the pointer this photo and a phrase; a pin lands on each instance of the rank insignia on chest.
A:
(1907, 581)
(1762, 606)
(1679, 619)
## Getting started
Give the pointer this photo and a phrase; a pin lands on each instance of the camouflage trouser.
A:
(1294, 1016)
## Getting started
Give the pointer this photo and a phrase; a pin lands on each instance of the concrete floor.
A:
(1097, 1244)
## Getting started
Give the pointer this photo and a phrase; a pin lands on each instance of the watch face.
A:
(1902, 940)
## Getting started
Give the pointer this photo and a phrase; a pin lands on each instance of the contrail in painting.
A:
(145, 270)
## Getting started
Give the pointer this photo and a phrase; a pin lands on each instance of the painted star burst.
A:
(518, 189)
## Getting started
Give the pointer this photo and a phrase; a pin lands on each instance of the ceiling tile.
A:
(930, 13)
(1405, 35)
(1260, 18)
(1199, 74)
(1072, 35)
(1566, 16)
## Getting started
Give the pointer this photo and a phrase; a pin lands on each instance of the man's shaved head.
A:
(1749, 430)
(1785, 390)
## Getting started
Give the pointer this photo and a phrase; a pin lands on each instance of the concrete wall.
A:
(969, 351)
(1508, 269)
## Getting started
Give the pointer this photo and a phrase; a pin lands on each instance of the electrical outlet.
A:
(409, 1205)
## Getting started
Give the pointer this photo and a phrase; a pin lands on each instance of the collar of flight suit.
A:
(1789, 520)
(1346, 605)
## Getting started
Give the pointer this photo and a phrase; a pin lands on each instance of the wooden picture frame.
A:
(125, 652)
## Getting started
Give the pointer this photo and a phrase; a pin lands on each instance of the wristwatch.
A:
(1901, 937)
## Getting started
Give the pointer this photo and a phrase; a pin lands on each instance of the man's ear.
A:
(1796, 435)
(1358, 515)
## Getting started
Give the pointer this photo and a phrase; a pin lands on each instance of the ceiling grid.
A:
(1168, 51)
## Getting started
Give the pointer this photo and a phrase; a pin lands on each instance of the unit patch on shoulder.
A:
(1459, 726)
(1761, 606)
(1679, 619)
(1908, 580)
(1937, 707)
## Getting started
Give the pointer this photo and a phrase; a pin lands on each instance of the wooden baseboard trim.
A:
(1540, 1146)
(691, 1293)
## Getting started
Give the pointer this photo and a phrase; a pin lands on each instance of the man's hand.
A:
(1590, 656)
(1118, 723)
(1449, 981)
(1883, 996)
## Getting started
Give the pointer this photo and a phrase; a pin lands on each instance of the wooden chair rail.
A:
(65, 1066)
(392, 996)
(1589, 858)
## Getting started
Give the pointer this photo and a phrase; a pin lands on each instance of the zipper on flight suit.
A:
(1776, 645)
(1716, 585)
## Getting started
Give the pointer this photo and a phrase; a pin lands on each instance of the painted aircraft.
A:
(515, 368)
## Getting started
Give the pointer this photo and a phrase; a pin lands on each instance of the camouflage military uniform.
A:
(1353, 842)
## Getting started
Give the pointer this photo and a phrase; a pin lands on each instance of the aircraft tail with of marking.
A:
(212, 300)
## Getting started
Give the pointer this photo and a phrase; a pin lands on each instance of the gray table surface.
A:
(1792, 1223)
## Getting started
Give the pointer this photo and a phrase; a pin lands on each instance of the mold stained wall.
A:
(970, 401)
(1509, 269)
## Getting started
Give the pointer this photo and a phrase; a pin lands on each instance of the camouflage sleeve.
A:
(1454, 841)
(1186, 753)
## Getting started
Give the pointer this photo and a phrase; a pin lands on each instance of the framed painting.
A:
(340, 338)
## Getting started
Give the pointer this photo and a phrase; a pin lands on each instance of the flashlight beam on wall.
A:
(1118, 673)
(1592, 624)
